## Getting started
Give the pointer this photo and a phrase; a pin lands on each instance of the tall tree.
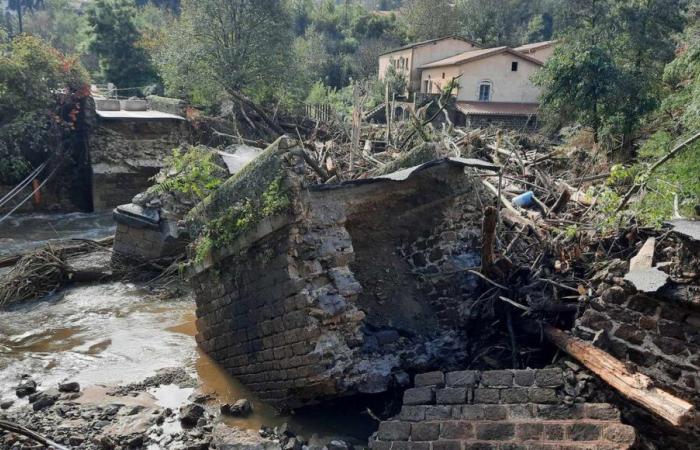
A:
(241, 47)
(429, 19)
(115, 40)
(606, 73)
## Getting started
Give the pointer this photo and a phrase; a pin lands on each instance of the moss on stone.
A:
(256, 192)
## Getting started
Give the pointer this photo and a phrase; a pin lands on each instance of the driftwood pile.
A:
(43, 271)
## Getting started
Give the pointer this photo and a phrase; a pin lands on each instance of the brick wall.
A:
(503, 409)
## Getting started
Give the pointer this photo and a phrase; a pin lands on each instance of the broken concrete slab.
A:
(643, 276)
(688, 229)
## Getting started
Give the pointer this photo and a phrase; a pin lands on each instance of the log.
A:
(18, 429)
(635, 386)
(488, 238)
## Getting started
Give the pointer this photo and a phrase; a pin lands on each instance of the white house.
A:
(494, 84)
(409, 58)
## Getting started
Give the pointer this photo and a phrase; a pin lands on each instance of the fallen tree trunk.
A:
(18, 429)
(635, 386)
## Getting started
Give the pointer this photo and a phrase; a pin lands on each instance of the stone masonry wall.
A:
(657, 334)
(125, 154)
(295, 308)
(501, 409)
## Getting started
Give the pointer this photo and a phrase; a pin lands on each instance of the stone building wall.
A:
(320, 302)
(500, 409)
(126, 153)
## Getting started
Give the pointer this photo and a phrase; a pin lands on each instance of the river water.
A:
(116, 333)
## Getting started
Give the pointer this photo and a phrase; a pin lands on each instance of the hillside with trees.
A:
(621, 68)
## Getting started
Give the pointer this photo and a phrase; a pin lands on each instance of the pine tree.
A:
(115, 41)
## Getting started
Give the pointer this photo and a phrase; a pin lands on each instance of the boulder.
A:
(45, 399)
(241, 408)
(69, 386)
(25, 388)
(190, 414)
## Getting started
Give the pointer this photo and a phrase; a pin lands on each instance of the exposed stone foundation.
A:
(501, 409)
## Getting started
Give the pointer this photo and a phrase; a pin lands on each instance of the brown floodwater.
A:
(114, 333)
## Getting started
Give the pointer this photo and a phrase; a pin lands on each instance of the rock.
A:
(45, 399)
(190, 414)
(70, 386)
(241, 408)
(76, 439)
(226, 438)
(284, 431)
(7, 404)
(111, 410)
(292, 444)
(25, 388)
(338, 445)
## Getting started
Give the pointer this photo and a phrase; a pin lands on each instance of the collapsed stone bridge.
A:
(332, 295)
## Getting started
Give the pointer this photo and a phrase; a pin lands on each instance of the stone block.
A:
(619, 434)
(482, 395)
(419, 396)
(553, 432)
(425, 431)
(529, 431)
(439, 412)
(584, 431)
(524, 378)
(446, 445)
(394, 431)
(460, 430)
(497, 378)
(419, 446)
(495, 412)
(499, 431)
(520, 411)
(451, 396)
(462, 378)
(542, 395)
(412, 413)
(549, 377)
(472, 412)
(560, 412)
(430, 379)
(480, 446)
(514, 395)
(601, 411)
(375, 444)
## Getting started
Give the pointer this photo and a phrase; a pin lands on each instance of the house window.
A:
(514, 66)
(443, 75)
(427, 84)
(485, 91)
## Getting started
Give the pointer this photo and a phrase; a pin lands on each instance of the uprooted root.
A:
(35, 275)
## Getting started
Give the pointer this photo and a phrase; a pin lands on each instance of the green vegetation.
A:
(190, 171)
(221, 231)
(40, 92)
(115, 42)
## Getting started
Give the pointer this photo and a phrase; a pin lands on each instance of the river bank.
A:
(132, 352)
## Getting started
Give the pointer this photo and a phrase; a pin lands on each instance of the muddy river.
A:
(112, 334)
